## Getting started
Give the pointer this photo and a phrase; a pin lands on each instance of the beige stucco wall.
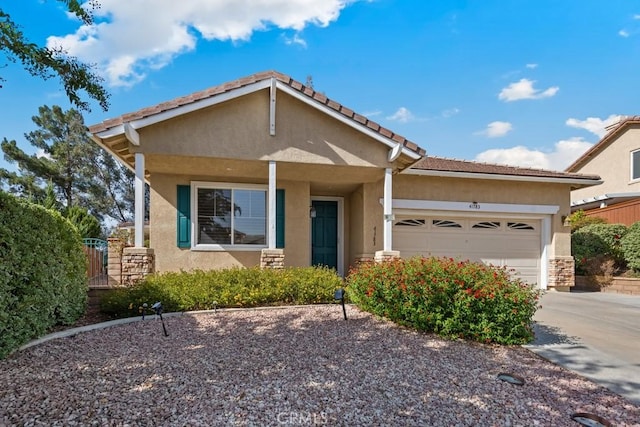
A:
(164, 222)
(613, 165)
(362, 221)
(239, 129)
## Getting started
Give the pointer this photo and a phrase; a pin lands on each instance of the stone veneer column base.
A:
(272, 258)
(382, 256)
(114, 261)
(137, 263)
(562, 273)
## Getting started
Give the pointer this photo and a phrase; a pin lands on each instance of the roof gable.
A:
(614, 132)
(202, 99)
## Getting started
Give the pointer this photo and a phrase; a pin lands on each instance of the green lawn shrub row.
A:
(42, 272)
(235, 287)
(454, 299)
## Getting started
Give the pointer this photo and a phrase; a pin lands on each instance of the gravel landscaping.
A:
(288, 366)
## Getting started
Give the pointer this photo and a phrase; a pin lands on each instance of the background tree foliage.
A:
(46, 63)
(80, 172)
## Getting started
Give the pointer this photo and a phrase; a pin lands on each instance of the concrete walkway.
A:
(594, 334)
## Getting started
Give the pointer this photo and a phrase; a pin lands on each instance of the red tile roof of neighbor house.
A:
(245, 81)
(464, 166)
(613, 132)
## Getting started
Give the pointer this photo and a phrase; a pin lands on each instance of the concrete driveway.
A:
(594, 334)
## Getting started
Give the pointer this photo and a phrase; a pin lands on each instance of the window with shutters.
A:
(229, 216)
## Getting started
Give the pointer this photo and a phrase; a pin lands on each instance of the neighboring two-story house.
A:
(616, 159)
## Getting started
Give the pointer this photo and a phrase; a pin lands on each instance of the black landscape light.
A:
(339, 295)
(511, 378)
(591, 420)
(157, 307)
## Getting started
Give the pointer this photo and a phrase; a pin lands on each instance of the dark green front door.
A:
(324, 234)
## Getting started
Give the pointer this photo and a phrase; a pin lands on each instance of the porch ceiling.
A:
(322, 178)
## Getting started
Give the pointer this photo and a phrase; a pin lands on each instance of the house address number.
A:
(474, 205)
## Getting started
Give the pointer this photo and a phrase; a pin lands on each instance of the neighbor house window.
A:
(230, 215)
(635, 165)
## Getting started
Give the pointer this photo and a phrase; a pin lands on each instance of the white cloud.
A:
(296, 39)
(623, 33)
(129, 38)
(40, 153)
(496, 129)
(594, 125)
(564, 153)
(403, 115)
(636, 16)
(372, 113)
(531, 66)
(450, 112)
(523, 89)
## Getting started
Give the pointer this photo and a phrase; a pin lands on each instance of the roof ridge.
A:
(308, 91)
(533, 169)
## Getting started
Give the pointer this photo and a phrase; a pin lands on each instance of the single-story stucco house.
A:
(265, 171)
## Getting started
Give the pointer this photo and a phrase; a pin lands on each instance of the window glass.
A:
(250, 217)
(635, 165)
(231, 216)
(214, 216)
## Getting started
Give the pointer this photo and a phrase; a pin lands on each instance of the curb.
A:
(103, 325)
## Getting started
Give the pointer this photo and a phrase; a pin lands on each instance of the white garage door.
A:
(512, 243)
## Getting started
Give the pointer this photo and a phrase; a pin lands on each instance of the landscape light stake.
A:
(157, 307)
(339, 295)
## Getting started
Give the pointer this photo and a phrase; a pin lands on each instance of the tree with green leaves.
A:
(80, 172)
(44, 62)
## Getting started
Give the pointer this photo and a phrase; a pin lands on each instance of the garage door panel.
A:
(514, 244)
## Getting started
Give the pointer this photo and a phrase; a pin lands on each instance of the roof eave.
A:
(580, 182)
(136, 124)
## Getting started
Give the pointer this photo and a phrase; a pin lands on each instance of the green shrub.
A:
(630, 245)
(579, 219)
(42, 272)
(451, 298)
(235, 287)
(597, 240)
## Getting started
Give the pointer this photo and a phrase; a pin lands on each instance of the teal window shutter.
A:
(184, 216)
(279, 218)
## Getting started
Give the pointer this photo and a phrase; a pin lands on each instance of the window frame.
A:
(197, 185)
(631, 170)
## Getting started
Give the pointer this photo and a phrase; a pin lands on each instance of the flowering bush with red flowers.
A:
(454, 299)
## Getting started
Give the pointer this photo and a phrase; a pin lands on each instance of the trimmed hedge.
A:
(454, 299)
(42, 272)
(235, 287)
(596, 240)
(630, 245)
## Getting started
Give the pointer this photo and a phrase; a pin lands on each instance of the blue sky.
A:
(528, 82)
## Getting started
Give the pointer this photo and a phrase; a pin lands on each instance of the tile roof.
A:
(614, 131)
(245, 81)
(464, 166)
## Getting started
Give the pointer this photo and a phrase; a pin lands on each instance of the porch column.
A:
(387, 202)
(139, 201)
(272, 205)
(272, 257)
(387, 253)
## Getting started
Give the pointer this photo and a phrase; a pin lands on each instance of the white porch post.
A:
(139, 201)
(388, 221)
(272, 204)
